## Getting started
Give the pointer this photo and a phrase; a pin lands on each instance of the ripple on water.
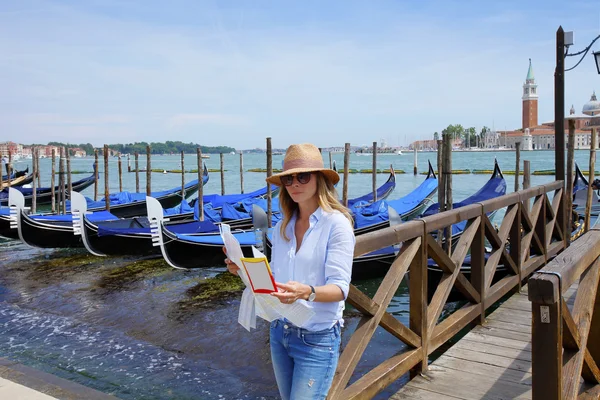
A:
(111, 363)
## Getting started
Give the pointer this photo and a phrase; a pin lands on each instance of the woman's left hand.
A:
(291, 291)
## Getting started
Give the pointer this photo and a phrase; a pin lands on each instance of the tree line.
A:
(469, 136)
(167, 147)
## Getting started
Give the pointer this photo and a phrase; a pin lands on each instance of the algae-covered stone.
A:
(220, 287)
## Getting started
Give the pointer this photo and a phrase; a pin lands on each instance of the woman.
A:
(313, 246)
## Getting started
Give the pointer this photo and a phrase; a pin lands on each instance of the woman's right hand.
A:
(231, 266)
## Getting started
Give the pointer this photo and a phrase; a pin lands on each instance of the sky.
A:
(235, 72)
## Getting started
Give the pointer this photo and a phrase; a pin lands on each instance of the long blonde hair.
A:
(327, 199)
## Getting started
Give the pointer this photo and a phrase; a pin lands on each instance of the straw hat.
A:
(303, 158)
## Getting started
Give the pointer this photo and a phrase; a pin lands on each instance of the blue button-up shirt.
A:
(325, 257)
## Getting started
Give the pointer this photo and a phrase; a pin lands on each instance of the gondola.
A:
(16, 174)
(377, 263)
(56, 231)
(133, 236)
(20, 181)
(580, 193)
(44, 195)
(375, 216)
(127, 205)
(182, 250)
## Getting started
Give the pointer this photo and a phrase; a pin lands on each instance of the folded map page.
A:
(259, 275)
(264, 305)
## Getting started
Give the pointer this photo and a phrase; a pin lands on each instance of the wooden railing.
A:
(566, 342)
(534, 237)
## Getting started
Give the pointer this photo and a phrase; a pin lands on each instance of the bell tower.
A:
(530, 100)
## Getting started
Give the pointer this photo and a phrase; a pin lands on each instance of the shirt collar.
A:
(313, 219)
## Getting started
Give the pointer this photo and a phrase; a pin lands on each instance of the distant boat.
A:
(399, 152)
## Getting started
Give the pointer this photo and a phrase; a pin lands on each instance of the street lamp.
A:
(563, 42)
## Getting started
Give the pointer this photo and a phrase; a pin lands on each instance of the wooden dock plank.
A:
(462, 385)
(492, 361)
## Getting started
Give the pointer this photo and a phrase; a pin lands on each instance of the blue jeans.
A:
(304, 361)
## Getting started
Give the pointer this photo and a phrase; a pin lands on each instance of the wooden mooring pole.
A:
(137, 172)
(570, 171)
(447, 169)
(200, 184)
(269, 173)
(53, 181)
(9, 169)
(96, 167)
(106, 187)
(518, 164)
(61, 181)
(330, 160)
(222, 164)
(590, 193)
(346, 170)
(148, 172)
(241, 172)
(415, 172)
(374, 175)
(35, 168)
(441, 183)
(69, 178)
(128, 163)
(120, 174)
(183, 177)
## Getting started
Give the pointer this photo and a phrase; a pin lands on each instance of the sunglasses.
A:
(303, 178)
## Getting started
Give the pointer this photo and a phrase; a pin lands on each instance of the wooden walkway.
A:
(492, 361)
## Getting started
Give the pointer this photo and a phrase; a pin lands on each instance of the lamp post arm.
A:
(584, 52)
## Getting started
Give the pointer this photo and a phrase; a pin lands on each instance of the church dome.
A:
(592, 107)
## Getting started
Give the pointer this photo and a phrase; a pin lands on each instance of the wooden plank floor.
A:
(492, 361)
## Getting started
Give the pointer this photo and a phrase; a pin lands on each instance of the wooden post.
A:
(547, 338)
(97, 166)
(374, 179)
(222, 162)
(448, 187)
(417, 274)
(415, 172)
(200, 184)
(183, 178)
(526, 181)
(518, 164)
(330, 160)
(570, 176)
(269, 173)
(559, 124)
(441, 183)
(39, 178)
(69, 178)
(128, 163)
(346, 170)
(241, 172)
(137, 173)
(120, 174)
(61, 181)
(53, 181)
(590, 193)
(35, 168)
(9, 169)
(106, 188)
(148, 172)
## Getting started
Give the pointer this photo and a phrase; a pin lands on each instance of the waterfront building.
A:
(534, 136)
(15, 149)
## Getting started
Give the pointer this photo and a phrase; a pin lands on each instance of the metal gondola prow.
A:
(431, 171)
(78, 212)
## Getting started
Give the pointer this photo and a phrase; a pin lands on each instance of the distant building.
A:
(12, 148)
(77, 152)
(534, 136)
